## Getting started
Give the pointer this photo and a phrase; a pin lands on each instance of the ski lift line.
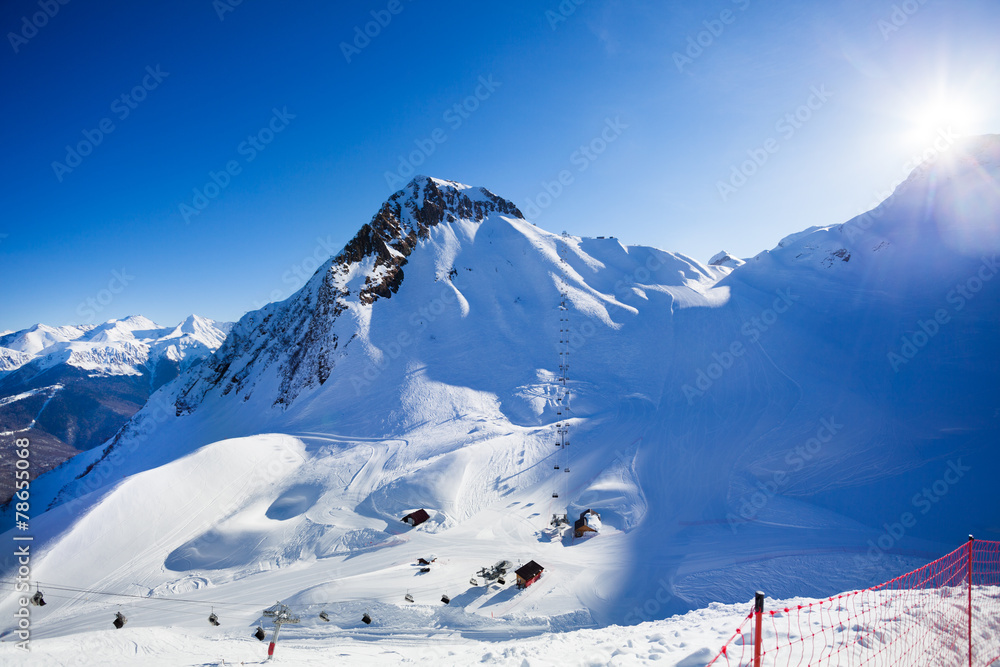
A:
(141, 602)
(138, 597)
(133, 605)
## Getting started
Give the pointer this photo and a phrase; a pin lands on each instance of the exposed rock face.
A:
(404, 219)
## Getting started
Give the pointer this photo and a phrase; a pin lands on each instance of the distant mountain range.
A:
(70, 388)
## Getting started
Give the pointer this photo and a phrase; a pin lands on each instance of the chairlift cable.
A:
(189, 612)
(140, 597)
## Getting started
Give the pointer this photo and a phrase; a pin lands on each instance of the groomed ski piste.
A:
(737, 429)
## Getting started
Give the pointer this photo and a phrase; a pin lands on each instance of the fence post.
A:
(758, 610)
(969, 576)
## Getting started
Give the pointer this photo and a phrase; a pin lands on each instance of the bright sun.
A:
(945, 114)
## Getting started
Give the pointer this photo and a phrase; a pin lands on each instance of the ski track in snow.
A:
(53, 390)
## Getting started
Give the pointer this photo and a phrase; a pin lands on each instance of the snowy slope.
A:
(737, 429)
(12, 359)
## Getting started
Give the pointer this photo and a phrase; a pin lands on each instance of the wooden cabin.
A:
(589, 522)
(528, 574)
(416, 518)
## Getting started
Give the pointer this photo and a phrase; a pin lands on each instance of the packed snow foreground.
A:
(815, 420)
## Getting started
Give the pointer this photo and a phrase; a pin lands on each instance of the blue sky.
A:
(649, 112)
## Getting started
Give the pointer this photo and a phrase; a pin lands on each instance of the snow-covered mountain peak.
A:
(405, 218)
(947, 203)
(34, 339)
(203, 329)
(299, 338)
(723, 258)
(442, 182)
(136, 322)
(943, 216)
(193, 323)
(428, 201)
(966, 160)
(129, 328)
(983, 148)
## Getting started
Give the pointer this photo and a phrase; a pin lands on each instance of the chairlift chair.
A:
(324, 616)
(259, 634)
(119, 621)
(445, 599)
(555, 467)
(213, 619)
(366, 619)
(501, 581)
(37, 599)
(473, 581)
(566, 470)
(408, 597)
(555, 495)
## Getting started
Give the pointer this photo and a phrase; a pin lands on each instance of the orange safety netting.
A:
(945, 613)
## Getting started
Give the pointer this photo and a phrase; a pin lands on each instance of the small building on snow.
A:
(528, 574)
(416, 518)
(589, 522)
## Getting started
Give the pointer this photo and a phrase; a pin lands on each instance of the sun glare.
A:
(944, 116)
